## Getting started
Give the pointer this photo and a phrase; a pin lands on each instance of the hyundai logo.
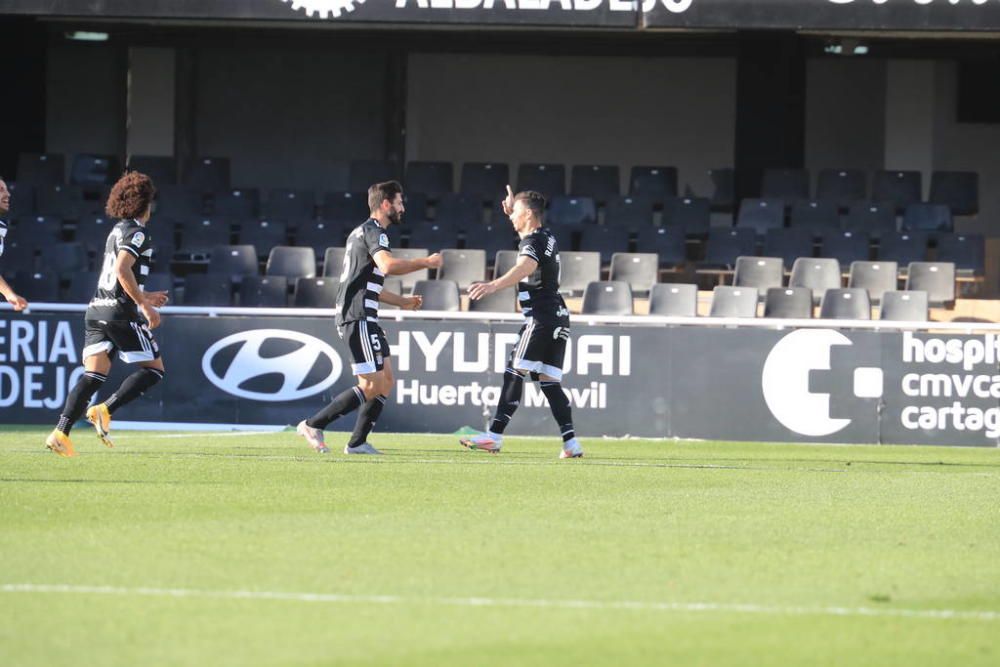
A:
(271, 365)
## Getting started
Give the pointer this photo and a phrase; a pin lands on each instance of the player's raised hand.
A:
(508, 202)
(434, 261)
(157, 299)
(17, 301)
(478, 290)
(413, 302)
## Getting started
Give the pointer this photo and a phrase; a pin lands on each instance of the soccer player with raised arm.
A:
(541, 344)
(368, 259)
(12, 297)
(119, 318)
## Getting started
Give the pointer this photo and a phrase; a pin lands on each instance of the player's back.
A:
(360, 279)
(111, 301)
(539, 292)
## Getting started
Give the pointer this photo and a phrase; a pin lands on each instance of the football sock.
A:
(78, 399)
(345, 402)
(132, 387)
(561, 409)
(367, 417)
(510, 398)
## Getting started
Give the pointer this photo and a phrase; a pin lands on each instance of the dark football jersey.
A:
(361, 281)
(539, 293)
(110, 301)
(3, 235)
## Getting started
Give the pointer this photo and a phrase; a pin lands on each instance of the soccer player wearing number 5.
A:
(119, 318)
(541, 344)
(12, 297)
(367, 260)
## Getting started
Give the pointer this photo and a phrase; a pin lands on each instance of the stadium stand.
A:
(927, 217)
(458, 211)
(816, 215)
(179, 202)
(263, 234)
(629, 212)
(816, 274)
(785, 184)
(876, 278)
(846, 247)
(571, 211)
(958, 190)
(89, 171)
(37, 285)
(761, 215)
(263, 292)
(316, 293)
(599, 182)
(289, 204)
(291, 262)
(577, 270)
(875, 219)
(937, 279)
(320, 235)
(693, 215)
(899, 188)
(207, 290)
(842, 187)
(546, 178)
(501, 301)
(236, 203)
(603, 239)
(234, 261)
(463, 267)
(65, 259)
(333, 261)
(723, 189)
(362, 173)
(61, 201)
(207, 174)
(504, 261)
(788, 244)
(345, 207)
(903, 247)
(654, 183)
(641, 270)
(725, 245)
(484, 180)
(41, 169)
(81, 287)
(966, 251)
(199, 236)
(410, 279)
(161, 168)
(430, 178)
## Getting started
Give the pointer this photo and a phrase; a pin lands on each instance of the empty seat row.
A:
(937, 279)
(958, 190)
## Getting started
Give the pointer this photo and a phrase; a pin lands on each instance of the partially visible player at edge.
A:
(541, 344)
(12, 297)
(119, 317)
(367, 260)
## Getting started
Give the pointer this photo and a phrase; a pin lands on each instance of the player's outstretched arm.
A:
(13, 298)
(397, 266)
(405, 302)
(525, 267)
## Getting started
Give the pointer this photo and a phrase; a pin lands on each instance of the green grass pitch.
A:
(209, 549)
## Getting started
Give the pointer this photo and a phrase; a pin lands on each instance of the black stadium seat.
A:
(788, 244)
(234, 261)
(641, 270)
(607, 298)
(599, 182)
(935, 278)
(207, 290)
(959, 190)
(673, 300)
(900, 188)
(60, 201)
(201, 235)
(788, 303)
(263, 234)
(653, 182)
(38, 229)
(458, 211)
(819, 274)
(846, 247)
(723, 189)
(785, 184)
(438, 295)
(207, 174)
(92, 170)
(902, 306)
(605, 240)
(22, 198)
(725, 245)
(730, 301)
(966, 251)
(345, 207)
(37, 286)
(577, 270)
(365, 173)
(65, 259)
(761, 273)
(178, 202)
(845, 304)
(548, 179)
(571, 211)
(161, 168)
(876, 278)
(903, 247)
(320, 235)
(873, 218)
(93, 230)
(236, 203)
(815, 214)
(463, 267)
(501, 301)
(316, 292)
(81, 287)
(927, 217)
(484, 180)
(629, 212)
(263, 292)
(693, 215)
(843, 187)
(288, 204)
(291, 262)
(761, 215)
(41, 168)
(430, 178)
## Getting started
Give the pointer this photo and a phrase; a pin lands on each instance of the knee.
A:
(369, 388)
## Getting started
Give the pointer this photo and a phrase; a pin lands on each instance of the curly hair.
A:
(131, 196)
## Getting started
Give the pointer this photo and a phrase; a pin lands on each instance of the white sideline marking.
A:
(932, 614)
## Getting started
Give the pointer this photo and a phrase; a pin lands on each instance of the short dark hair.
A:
(533, 201)
(381, 192)
(131, 196)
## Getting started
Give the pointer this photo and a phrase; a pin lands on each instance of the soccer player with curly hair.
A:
(119, 318)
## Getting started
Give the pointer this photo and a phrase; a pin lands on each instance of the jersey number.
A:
(108, 279)
(376, 345)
